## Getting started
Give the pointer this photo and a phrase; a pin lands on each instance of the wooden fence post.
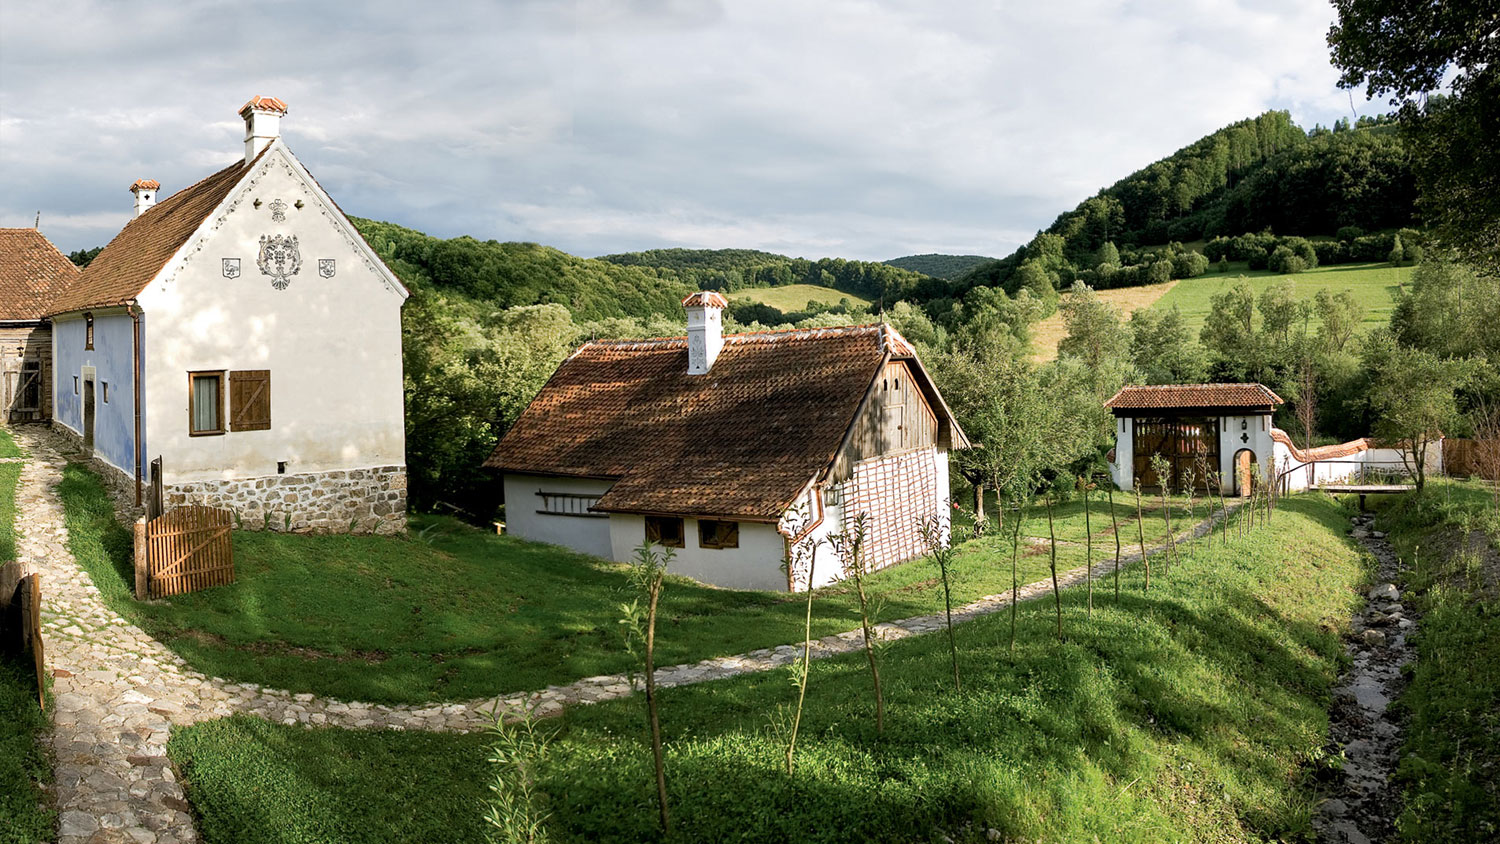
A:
(141, 579)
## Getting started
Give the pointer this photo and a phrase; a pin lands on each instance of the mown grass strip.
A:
(1195, 712)
(457, 613)
(1449, 769)
(8, 447)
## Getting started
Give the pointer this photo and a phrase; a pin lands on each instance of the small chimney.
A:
(262, 124)
(145, 194)
(705, 329)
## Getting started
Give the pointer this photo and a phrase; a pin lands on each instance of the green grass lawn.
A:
(1449, 770)
(8, 447)
(458, 613)
(1373, 285)
(25, 765)
(794, 297)
(1194, 712)
(10, 476)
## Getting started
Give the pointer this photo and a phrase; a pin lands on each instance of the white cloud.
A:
(864, 128)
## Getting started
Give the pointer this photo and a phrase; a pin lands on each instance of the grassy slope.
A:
(1191, 713)
(1045, 335)
(794, 297)
(1373, 285)
(23, 762)
(466, 614)
(1450, 766)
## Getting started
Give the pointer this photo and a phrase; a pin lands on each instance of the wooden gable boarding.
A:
(895, 416)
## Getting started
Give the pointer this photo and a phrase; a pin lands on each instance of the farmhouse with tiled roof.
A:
(1227, 431)
(730, 449)
(32, 272)
(244, 333)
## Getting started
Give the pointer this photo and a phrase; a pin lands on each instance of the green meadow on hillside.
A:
(794, 297)
(1373, 285)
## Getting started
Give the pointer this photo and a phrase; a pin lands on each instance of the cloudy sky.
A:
(857, 128)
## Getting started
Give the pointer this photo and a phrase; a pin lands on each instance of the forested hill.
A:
(1260, 173)
(939, 266)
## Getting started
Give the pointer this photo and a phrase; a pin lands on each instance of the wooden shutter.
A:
(250, 400)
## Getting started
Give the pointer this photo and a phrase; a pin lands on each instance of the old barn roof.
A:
(1194, 397)
(32, 273)
(147, 243)
(742, 440)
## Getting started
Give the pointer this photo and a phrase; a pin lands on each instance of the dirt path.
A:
(1363, 805)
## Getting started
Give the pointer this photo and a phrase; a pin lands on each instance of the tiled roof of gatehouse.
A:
(1194, 397)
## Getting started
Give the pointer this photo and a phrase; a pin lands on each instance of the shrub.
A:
(1350, 233)
(1258, 259)
(1188, 264)
(1331, 252)
(1216, 249)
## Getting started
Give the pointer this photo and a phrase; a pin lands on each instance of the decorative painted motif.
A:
(231, 267)
(278, 211)
(326, 267)
(279, 258)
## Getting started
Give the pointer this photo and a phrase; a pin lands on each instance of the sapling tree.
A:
(1162, 469)
(849, 546)
(1088, 539)
(934, 536)
(1189, 478)
(1140, 532)
(515, 812)
(1015, 576)
(648, 573)
(1052, 546)
(1109, 490)
(802, 667)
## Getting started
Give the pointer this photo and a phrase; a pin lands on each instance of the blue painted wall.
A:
(111, 357)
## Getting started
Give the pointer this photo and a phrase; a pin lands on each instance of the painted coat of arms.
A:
(279, 258)
(326, 267)
(231, 267)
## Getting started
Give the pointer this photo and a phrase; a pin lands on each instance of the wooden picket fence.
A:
(183, 550)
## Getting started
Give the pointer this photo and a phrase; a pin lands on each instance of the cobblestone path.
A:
(119, 692)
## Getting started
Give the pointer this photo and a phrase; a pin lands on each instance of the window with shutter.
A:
(250, 400)
(205, 403)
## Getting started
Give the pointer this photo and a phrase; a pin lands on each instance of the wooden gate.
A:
(183, 550)
(1471, 458)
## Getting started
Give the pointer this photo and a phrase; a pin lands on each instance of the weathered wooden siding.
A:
(896, 417)
(18, 344)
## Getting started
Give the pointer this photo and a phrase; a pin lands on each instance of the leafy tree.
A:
(1397, 254)
(1339, 316)
(1450, 309)
(1162, 347)
(83, 257)
(1107, 254)
(1229, 330)
(647, 576)
(1095, 335)
(1415, 398)
(1279, 311)
(1405, 49)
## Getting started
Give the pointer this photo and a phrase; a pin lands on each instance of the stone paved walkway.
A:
(119, 692)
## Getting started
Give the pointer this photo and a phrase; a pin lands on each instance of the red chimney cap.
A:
(263, 104)
(145, 184)
(705, 298)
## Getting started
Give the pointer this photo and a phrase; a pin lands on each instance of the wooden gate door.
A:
(88, 414)
(188, 549)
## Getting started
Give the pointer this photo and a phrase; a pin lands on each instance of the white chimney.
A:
(705, 329)
(145, 194)
(262, 124)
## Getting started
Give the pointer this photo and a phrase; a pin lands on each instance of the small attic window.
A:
(88, 331)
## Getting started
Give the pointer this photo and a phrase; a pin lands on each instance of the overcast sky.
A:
(866, 129)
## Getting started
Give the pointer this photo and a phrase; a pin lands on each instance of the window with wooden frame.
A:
(713, 533)
(665, 531)
(250, 400)
(88, 331)
(205, 403)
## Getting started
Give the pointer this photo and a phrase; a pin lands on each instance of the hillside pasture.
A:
(1373, 285)
(794, 297)
(1046, 334)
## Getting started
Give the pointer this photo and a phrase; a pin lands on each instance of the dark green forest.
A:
(938, 265)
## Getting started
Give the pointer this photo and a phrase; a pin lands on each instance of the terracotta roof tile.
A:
(705, 298)
(146, 184)
(741, 441)
(265, 103)
(144, 246)
(1193, 396)
(32, 273)
(1322, 452)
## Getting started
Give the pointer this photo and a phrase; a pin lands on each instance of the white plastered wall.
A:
(332, 345)
(755, 564)
(589, 534)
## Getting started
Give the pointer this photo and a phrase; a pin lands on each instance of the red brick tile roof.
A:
(130, 261)
(705, 298)
(1194, 396)
(265, 103)
(1322, 452)
(741, 441)
(146, 184)
(32, 273)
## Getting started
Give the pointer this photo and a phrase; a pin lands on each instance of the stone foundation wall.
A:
(346, 501)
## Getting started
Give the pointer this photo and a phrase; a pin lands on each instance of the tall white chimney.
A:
(705, 311)
(145, 194)
(262, 124)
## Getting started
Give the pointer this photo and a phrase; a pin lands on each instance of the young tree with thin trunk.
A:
(934, 535)
(1189, 479)
(648, 575)
(1088, 537)
(803, 666)
(1056, 590)
(1140, 532)
(1015, 576)
(1109, 490)
(1163, 471)
(849, 546)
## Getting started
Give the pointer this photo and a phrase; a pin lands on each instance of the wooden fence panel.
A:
(186, 549)
(1470, 458)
